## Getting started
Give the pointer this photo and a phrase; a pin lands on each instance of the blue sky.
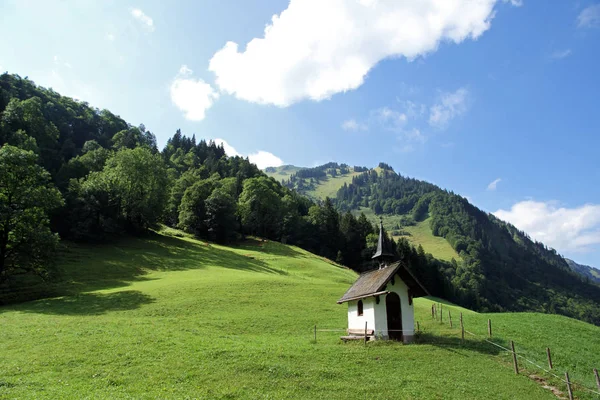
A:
(497, 100)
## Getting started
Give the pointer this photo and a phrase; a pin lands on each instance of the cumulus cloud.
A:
(565, 229)
(315, 49)
(192, 96)
(261, 158)
(145, 20)
(589, 17)
(492, 186)
(449, 106)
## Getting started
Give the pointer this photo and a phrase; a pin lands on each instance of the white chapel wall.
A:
(358, 322)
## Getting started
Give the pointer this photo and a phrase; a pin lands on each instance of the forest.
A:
(500, 268)
(71, 172)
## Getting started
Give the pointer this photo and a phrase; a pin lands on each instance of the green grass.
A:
(436, 245)
(170, 317)
(574, 344)
(283, 172)
(330, 186)
(419, 234)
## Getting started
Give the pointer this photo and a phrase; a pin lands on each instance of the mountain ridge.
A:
(499, 267)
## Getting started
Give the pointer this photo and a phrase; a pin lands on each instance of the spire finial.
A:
(381, 254)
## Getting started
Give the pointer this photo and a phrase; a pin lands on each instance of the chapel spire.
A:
(382, 255)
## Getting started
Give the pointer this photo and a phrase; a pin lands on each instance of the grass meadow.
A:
(172, 317)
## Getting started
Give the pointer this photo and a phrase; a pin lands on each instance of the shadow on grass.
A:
(88, 303)
(268, 247)
(442, 301)
(88, 268)
(454, 344)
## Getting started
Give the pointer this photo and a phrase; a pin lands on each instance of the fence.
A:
(437, 315)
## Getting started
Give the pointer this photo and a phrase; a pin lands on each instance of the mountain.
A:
(116, 182)
(485, 263)
(585, 270)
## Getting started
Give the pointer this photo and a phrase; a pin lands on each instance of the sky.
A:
(496, 100)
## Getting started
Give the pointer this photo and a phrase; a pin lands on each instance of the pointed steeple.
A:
(382, 255)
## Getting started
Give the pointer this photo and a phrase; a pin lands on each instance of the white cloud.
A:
(589, 17)
(145, 20)
(389, 119)
(261, 158)
(110, 36)
(414, 135)
(229, 150)
(315, 49)
(565, 229)
(492, 186)
(264, 159)
(449, 106)
(558, 54)
(192, 96)
(412, 109)
(352, 125)
(514, 3)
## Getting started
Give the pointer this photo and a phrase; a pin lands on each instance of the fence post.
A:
(490, 327)
(549, 357)
(597, 378)
(441, 313)
(365, 333)
(569, 386)
(514, 354)
(432, 311)
(462, 328)
(418, 326)
(315, 333)
(450, 318)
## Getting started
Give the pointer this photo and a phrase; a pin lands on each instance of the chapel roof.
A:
(373, 283)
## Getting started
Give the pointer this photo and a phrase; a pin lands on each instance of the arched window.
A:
(360, 308)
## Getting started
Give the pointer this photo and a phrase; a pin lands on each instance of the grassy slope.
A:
(574, 344)
(330, 186)
(438, 246)
(171, 317)
(283, 172)
(418, 234)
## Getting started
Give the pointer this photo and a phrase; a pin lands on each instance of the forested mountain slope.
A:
(584, 270)
(497, 266)
(68, 170)
(72, 171)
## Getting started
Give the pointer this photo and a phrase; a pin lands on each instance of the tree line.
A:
(499, 267)
(71, 171)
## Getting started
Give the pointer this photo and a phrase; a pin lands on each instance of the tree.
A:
(221, 215)
(259, 207)
(192, 210)
(140, 182)
(26, 198)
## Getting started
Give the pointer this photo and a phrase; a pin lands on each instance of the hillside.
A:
(584, 270)
(316, 183)
(489, 264)
(172, 317)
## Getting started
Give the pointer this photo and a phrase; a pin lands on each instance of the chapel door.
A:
(394, 316)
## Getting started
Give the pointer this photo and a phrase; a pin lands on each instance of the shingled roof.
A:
(372, 283)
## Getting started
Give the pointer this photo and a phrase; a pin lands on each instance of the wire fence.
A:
(549, 372)
(437, 316)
